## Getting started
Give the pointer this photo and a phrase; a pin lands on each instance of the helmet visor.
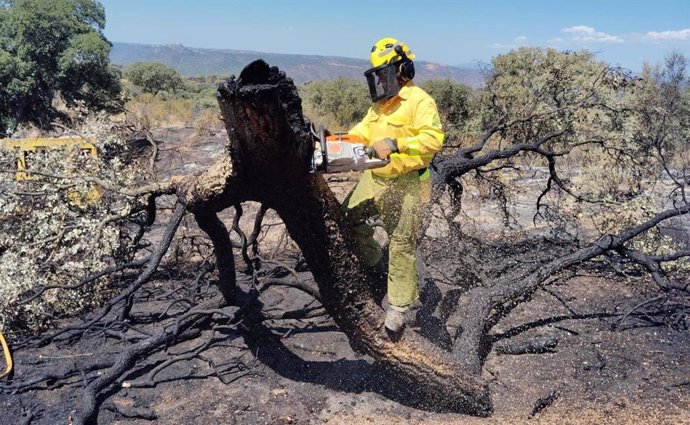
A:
(382, 81)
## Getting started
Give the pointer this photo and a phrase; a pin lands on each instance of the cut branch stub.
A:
(270, 149)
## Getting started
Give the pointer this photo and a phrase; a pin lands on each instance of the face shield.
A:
(382, 81)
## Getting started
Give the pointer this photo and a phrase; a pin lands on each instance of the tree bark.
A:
(270, 150)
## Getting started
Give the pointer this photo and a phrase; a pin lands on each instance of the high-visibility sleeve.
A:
(427, 134)
(362, 129)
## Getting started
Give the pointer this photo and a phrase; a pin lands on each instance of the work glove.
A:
(383, 148)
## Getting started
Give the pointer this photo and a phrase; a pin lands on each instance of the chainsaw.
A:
(342, 152)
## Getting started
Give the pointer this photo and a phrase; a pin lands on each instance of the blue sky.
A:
(625, 33)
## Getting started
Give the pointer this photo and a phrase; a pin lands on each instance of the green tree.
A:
(52, 48)
(338, 104)
(454, 101)
(154, 77)
(663, 99)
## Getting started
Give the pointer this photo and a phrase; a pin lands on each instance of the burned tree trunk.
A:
(270, 152)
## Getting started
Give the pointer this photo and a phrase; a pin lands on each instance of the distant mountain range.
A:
(192, 62)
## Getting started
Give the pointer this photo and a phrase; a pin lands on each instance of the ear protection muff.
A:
(406, 67)
(406, 70)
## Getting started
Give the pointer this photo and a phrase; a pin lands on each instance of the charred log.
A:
(530, 346)
(544, 402)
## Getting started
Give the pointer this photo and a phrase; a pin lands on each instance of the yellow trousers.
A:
(399, 202)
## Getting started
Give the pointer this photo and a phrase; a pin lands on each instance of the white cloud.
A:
(518, 42)
(589, 34)
(503, 46)
(668, 35)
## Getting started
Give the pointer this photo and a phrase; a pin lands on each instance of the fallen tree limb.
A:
(88, 412)
(472, 344)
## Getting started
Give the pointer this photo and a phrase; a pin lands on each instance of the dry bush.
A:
(160, 112)
(206, 122)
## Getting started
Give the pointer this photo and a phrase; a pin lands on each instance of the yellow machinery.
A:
(8, 357)
(74, 149)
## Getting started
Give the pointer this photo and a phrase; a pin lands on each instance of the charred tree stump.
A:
(270, 150)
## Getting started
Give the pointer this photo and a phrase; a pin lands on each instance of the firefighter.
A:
(402, 124)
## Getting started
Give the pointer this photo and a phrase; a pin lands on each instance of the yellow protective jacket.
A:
(412, 118)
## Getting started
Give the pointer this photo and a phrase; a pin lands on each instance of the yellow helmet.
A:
(392, 67)
(384, 52)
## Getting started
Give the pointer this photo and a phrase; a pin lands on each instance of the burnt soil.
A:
(608, 368)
